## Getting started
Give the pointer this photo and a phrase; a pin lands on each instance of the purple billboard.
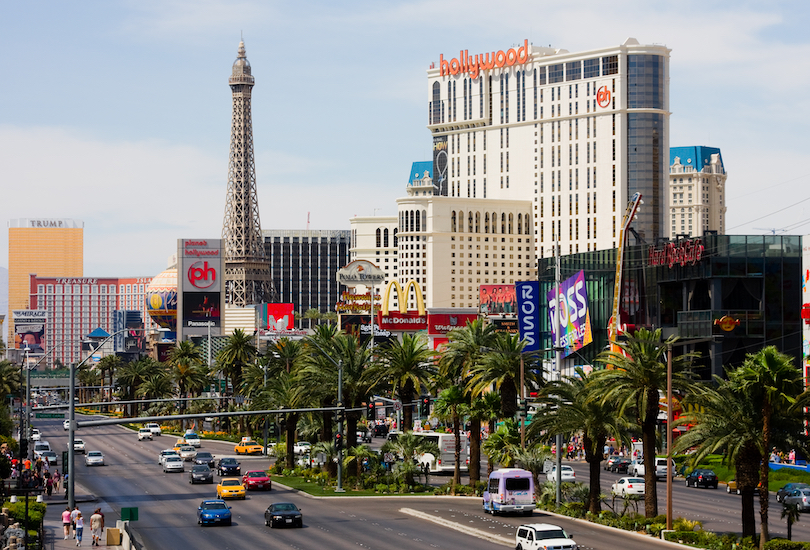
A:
(575, 320)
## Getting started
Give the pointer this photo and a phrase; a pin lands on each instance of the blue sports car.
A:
(213, 512)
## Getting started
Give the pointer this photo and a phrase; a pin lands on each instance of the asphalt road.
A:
(167, 507)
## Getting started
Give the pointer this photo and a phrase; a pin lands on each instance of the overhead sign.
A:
(575, 319)
(442, 323)
(465, 63)
(360, 272)
(509, 326)
(528, 302)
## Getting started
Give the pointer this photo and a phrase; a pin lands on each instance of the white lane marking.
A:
(457, 527)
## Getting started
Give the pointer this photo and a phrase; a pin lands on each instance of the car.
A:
(661, 468)
(187, 453)
(567, 474)
(247, 447)
(271, 448)
(144, 433)
(628, 486)
(302, 448)
(380, 430)
(166, 453)
(731, 486)
(204, 457)
(35, 434)
(154, 427)
(799, 497)
(364, 436)
(201, 473)
(637, 468)
(621, 465)
(229, 466)
(181, 442)
(40, 447)
(281, 514)
(50, 456)
(789, 487)
(543, 535)
(702, 477)
(94, 458)
(231, 487)
(611, 460)
(192, 439)
(78, 446)
(66, 424)
(212, 512)
(257, 479)
(173, 463)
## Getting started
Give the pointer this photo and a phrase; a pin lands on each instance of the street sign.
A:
(50, 415)
(389, 457)
(397, 405)
(129, 514)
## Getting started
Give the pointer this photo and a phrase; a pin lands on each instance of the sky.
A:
(118, 112)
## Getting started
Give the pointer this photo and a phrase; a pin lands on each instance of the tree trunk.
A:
(594, 460)
(457, 450)
(490, 465)
(406, 396)
(509, 398)
(747, 466)
(764, 495)
(648, 444)
(475, 452)
(292, 424)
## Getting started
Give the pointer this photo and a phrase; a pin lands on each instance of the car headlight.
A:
(276, 517)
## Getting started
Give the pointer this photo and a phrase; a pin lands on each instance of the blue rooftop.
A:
(98, 333)
(418, 171)
(696, 156)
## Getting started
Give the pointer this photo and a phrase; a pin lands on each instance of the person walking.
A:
(79, 529)
(73, 515)
(56, 479)
(49, 486)
(66, 521)
(97, 526)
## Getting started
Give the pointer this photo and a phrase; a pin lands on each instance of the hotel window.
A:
(555, 74)
(590, 68)
(610, 65)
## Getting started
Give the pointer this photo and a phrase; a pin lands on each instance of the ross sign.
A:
(360, 272)
(29, 330)
(497, 300)
(528, 301)
(682, 253)
(397, 321)
(603, 96)
(465, 63)
(442, 323)
(575, 319)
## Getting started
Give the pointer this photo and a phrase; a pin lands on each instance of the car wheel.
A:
(519, 547)
(528, 512)
(229, 522)
(738, 491)
(728, 489)
(199, 522)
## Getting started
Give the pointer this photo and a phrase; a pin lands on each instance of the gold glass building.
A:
(45, 246)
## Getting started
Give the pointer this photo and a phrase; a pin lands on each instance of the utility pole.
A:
(558, 361)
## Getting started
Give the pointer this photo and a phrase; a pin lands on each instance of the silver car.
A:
(799, 497)
(165, 453)
(188, 453)
(173, 464)
(94, 458)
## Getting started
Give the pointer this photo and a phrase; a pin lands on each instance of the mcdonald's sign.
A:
(403, 320)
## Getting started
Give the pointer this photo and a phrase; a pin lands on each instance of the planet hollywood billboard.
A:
(201, 298)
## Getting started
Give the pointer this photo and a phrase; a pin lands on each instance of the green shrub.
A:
(36, 511)
(784, 544)
(381, 488)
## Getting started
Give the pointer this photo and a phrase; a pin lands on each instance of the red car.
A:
(256, 479)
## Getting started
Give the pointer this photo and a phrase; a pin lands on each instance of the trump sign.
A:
(575, 320)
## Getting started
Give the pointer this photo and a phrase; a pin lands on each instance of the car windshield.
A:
(256, 474)
(204, 455)
(202, 468)
(230, 482)
(169, 453)
(551, 534)
(635, 480)
(284, 507)
(78, 442)
(94, 453)
(187, 449)
(192, 436)
(228, 461)
(214, 506)
(173, 459)
(246, 443)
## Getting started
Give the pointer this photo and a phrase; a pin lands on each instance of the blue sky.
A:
(118, 112)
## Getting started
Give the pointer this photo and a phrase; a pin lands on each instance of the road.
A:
(167, 507)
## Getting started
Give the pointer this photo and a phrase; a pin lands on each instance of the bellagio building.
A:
(577, 134)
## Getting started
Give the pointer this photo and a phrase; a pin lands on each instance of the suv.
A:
(541, 536)
(192, 439)
(144, 433)
(35, 435)
(78, 446)
(637, 468)
(661, 467)
(154, 427)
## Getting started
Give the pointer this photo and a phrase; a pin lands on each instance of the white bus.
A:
(446, 461)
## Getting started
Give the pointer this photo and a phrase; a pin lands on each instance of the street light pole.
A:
(558, 362)
(265, 418)
(27, 400)
(341, 415)
(669, 437)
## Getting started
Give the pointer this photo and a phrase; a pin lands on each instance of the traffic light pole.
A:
(341, 415)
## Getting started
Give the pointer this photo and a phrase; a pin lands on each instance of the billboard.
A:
(397, 321)
(575, 319)
(201, 309)
(528, 299)
(279, 317)
(509, 326)
(442, 323)
(29, 330)
(497, 299)
(440, 165)
(201, 284)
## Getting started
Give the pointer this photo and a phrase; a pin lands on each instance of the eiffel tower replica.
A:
(248, 279)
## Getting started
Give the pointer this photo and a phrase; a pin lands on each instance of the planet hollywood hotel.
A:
(576, 133)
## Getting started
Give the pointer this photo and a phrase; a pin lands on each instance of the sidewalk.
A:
(52, 524)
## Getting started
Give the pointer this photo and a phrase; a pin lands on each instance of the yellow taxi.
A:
(247, 447)
(179, 443)
(231, 487)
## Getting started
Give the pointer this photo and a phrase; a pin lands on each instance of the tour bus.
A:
(446, 461)
(510, 490)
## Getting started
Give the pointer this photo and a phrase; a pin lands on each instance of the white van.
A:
(510, 490)
(40, 447)
(446, 460)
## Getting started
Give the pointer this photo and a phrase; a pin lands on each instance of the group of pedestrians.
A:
(35, 475)
(73, 521)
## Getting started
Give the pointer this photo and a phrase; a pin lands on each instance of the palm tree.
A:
(9, 378)
(534, 460)
(465, 348)
(791, 512)
(87, 376)
(771, 379)
(133, 374)
(485, 408)
(312, 314)
(359, 454)
(406, 366)
(156, 386)
(187, 370)
(572, 407)
(410, 447)
(239, 351)
(449, 403)
(503, 446)
(109, 364)
(633, 385)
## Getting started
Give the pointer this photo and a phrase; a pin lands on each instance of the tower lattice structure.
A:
(247, 271)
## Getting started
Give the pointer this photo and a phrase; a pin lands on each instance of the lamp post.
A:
(13, 500)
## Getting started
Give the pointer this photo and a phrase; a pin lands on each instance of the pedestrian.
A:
(97, 526)
(49, 486)
(66, 521)
(56, 479)
(73, 515)
(79, 529)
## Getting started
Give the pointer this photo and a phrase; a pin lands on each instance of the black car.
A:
(229, 467)
(201, 473)
(702, 478)
(204, 457)
(610, 460)
(281, 514)
(621, 465)
(380, 430)
(788, 488)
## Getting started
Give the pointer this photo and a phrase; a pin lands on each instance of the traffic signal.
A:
(372, 411)
(338, 441)
(425, 406)
(282, 424)
(273, 430)
(23, 448)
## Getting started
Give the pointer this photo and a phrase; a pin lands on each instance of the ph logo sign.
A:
(603, 97)
(201, 275)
